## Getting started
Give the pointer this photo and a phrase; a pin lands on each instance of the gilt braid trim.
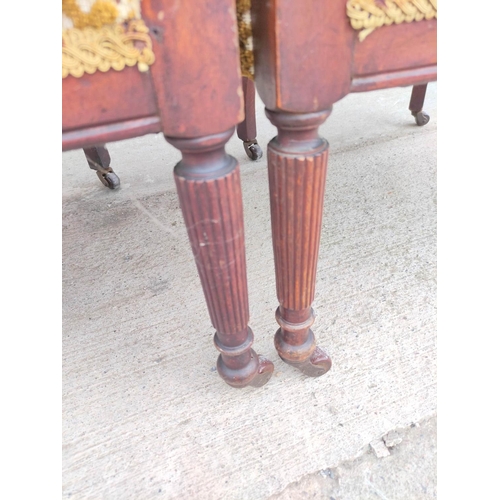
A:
(368, 15)
(116, 46)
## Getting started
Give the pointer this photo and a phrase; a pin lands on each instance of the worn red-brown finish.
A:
(101, 134)
(307, 57)
(417, 98)
(247, 129)
(109, 97)
(396, 55)
(192, 89)
(297, 160)
(302, 53)
(402, 78)
(196, 74)
(208, 184)
(106, 107)
(193, 94)
(395, 48)
(417, 104)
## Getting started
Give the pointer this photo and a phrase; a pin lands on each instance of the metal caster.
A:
(253, 150)
(109, 179)
(98, 159)
(421, 118)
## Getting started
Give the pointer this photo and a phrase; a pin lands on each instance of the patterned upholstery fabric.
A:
(102, 35)
(244, 19)
(109, 34)
(97, 13)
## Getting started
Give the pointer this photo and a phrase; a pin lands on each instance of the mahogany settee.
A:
(306, 56)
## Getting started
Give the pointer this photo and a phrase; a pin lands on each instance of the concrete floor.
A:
(145, 414)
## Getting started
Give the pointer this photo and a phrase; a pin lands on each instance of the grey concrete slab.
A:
(145, 414)
(407, 471)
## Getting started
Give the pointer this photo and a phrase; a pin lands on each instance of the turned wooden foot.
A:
(316, 365)
(297, 160)
(208, 184)
(99, 160)
(237, 370)
(302, 353)
(417, 103)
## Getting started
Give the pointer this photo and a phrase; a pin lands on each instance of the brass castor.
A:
(98, 159)
(421, 118)
(109, 179)
(253, 150)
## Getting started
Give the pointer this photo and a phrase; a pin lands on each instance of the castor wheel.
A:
(109, 179)
(253, 150)
(421, 118)
(98, 159)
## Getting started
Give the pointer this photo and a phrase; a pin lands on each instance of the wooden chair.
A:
(307, 57)
(140, 74)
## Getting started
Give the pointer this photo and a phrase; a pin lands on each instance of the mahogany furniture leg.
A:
(208, 184)
(247, 129)
(99, 160)
(417, 103)
(297, 161)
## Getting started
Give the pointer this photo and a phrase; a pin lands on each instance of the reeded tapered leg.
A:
(417, 104)
(297, 160)
(208, 184)
(247, 129)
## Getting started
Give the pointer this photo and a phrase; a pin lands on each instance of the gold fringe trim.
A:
(101, 13)
(368, 15)
(117, 46)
